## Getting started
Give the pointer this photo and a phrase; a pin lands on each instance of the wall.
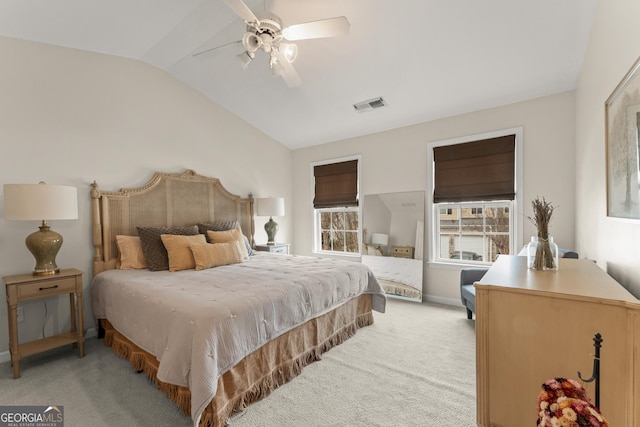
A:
(71, 117)
(396, 160)
(612, 50)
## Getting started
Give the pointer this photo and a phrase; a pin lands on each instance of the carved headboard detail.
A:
(173, 200)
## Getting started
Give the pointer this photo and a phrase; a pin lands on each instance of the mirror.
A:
(393, 241)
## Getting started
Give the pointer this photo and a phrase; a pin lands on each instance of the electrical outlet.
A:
(20, 314)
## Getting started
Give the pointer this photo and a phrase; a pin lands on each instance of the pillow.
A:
(153, 248)
(208, 255)
(180, 255)
(229, 236)
(248, 245)
(131, 255)
(224, 226)
(218, 226)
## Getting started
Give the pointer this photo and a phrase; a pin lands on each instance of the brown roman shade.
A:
(336, 185)
(475, 171)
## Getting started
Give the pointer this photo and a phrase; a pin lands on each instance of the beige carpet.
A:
(414, 367)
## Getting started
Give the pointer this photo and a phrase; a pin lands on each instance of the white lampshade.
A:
(41, 202)
(271, 206)
(379, 239)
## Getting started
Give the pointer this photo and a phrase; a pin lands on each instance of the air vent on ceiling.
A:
(369, 105)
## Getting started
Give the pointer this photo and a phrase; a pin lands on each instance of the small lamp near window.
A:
(271, 206)
(379, 239)
(41, 202)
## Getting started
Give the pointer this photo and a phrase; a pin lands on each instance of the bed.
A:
(215, 339)
(401, 277)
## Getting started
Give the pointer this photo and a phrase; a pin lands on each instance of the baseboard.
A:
(5, 356)
(441, 300)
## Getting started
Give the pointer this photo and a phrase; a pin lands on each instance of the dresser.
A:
(402, 251)
(535, 325)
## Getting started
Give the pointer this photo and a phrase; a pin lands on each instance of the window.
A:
(336, 207)
(338, 230)
(476, 234)
(475, 189)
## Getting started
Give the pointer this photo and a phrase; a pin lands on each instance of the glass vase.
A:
(542, 254)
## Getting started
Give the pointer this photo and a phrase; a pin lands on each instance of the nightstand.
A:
(25, 287)
(278, 248)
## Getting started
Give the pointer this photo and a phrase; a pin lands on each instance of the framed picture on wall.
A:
(622, 121)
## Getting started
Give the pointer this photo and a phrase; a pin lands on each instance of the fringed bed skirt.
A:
(262, 371)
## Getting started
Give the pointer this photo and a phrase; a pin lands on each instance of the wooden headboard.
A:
(173, 200)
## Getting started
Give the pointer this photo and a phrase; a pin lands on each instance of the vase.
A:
(542, 254)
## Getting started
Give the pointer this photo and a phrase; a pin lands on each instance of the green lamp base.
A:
(271, 227)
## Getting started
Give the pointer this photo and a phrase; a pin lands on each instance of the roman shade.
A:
(336, 185)
(475, 171)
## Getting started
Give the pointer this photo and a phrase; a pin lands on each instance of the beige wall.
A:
(71, 117)
(396, 160)
(612, 50)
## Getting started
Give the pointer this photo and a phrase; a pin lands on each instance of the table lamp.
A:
(41, 202)
(270, 206)
(379, 239)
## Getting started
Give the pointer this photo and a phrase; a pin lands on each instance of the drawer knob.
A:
(49, 287)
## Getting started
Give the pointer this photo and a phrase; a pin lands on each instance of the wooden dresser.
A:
(535, 325)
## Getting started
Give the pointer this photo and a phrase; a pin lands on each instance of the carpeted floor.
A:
(414, 367)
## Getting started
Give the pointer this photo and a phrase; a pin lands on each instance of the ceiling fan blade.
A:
(242, 10)
(207, 53)
(331, 27)
(286, 71)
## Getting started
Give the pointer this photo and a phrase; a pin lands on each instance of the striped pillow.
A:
(208, 255)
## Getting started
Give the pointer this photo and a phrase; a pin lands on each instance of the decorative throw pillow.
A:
(248, 245)
(153, 248)
(229, 236)
(131, 255)
(208, 255)
(179, 250)
(203, 227)
(224, 226)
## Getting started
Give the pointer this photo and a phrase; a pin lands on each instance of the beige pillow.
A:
(208, 255)
(131, 255)
(229, 236)
(179, 251)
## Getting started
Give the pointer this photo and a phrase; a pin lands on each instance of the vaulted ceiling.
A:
(428, 59)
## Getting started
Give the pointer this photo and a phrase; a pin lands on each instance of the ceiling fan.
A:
(265, 32)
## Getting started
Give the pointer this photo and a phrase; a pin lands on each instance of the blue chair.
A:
(468, 276)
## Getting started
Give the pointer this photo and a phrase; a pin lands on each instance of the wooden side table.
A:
(278, 248)
(25, 287)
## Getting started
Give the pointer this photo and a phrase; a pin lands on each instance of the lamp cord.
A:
(44, 323)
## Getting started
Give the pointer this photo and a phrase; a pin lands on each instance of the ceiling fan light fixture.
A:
(290, 51)
(251, 42)
(245, 59)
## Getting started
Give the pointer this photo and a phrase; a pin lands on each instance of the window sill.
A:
(457, 265)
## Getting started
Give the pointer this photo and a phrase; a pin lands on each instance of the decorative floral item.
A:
(564, 402)
(542, 251)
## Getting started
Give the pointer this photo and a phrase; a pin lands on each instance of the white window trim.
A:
(316, 244)
(517, 214)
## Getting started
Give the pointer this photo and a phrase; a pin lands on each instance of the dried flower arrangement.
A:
(542, 213)
(564, 402)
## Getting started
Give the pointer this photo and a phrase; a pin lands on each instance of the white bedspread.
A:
(199, 324)
(402, 270)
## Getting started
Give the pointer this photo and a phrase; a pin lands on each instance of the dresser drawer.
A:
(44, 288)
(279, 250)
(402, 251)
